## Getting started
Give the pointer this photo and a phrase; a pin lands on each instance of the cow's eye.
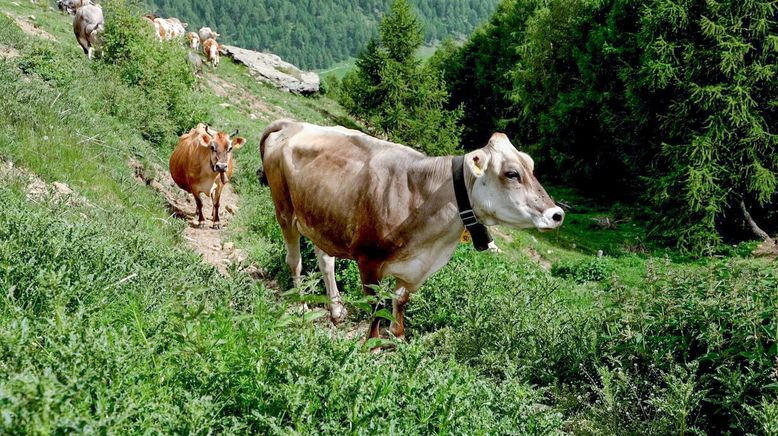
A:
(213, 146)
(513, 175)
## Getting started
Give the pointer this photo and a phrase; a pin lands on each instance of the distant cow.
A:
(71, 6)
(168, 29)
(194, 40)
(178, 28)
(202, 163)
(162, 29)
(87, 25)
(211, 49)
(392, 209)
(207, 33)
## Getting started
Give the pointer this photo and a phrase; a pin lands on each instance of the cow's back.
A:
(340, 185)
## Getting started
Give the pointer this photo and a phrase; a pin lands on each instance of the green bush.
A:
(165, 104)
(720, 319)
(594, 270)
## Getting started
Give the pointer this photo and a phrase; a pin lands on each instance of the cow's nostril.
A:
(557, 217)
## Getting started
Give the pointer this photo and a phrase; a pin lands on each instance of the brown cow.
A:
(390, 208)
(202, 163)
(211, 49)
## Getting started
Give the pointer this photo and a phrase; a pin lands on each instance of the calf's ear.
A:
(477, 162)
(205, 140)
(238, 142)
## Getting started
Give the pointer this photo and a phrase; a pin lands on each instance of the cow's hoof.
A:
(338, 313)
(201, 225)
(217, 226)
(399, 335)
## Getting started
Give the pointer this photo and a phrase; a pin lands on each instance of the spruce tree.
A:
(395, 94)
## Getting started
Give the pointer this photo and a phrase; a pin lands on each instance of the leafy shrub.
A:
(159, 70)
(594, 270)
(50, 63)
(719, 318)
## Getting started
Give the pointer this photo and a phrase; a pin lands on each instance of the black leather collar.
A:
(478, 232)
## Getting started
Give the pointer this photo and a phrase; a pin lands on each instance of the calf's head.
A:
(505, 190)
(220, 145)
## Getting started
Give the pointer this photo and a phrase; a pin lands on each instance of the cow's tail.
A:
(275, 126)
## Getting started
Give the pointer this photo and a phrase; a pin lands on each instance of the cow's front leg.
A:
(216, 196)
(199, 205)
(401, 296)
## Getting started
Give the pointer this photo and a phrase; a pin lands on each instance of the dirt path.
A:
(212, 244)
(29, 27)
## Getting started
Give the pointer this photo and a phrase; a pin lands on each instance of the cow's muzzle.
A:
(220, 167)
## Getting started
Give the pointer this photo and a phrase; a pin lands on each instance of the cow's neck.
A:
(434, 176)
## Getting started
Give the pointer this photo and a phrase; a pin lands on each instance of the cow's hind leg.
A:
(294, 259)
(327, 266)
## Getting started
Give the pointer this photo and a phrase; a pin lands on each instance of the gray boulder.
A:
(270, 68)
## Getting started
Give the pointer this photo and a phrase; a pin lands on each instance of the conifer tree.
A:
(395, 93)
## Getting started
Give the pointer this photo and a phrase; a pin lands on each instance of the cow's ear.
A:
(205, 140)
(476, 162)
(238, 142)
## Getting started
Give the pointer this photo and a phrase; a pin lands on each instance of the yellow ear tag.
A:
(465, 238)
(478, 171)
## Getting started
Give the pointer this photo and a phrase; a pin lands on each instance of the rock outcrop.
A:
(270, 68)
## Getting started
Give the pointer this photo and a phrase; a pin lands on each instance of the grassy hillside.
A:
(109, 323)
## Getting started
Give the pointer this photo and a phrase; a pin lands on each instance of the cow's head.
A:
(221, 146)
(505, 190)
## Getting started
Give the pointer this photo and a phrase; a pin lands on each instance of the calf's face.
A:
(221, 146)
(505, 190)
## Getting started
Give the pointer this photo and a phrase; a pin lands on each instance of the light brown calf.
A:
(202, 163)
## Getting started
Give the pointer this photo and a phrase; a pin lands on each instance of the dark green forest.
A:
(317, 33)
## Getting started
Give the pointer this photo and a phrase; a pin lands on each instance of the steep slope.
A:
(316, 34)
(110, 323)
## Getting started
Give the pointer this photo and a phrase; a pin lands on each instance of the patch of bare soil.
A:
(8, 53)
(30, 28)
(245, 100)
(768, 249)
(211, 244)
(38, 189)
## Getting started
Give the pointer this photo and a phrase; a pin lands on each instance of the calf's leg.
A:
(327, 266)
(216, 196)
(199, 205)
